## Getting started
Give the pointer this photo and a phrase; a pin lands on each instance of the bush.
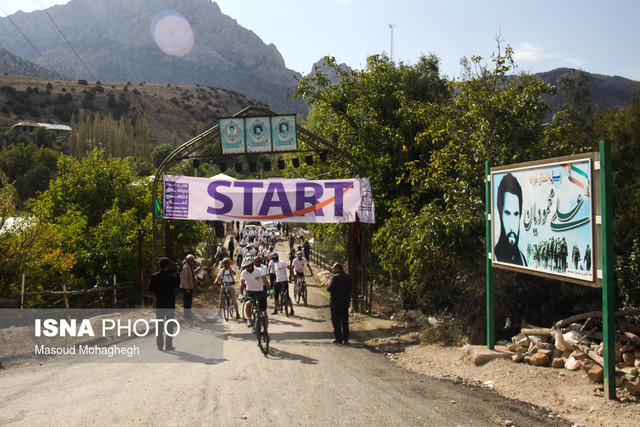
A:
(444, 330)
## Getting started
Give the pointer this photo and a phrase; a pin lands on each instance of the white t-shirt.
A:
(226, 276)
(280, 270)
(298, 264)
(253, 280)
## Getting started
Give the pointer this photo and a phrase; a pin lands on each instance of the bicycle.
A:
(259, 326)
(300, 289)
(226, 303)
(285, 301)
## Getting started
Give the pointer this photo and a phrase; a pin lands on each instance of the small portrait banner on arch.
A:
(283, 133)
(232, 135)
(543, 220)
(258, 130)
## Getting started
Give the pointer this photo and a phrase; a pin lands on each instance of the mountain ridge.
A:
(117, 42)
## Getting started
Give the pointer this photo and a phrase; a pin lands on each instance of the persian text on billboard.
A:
(543, 220)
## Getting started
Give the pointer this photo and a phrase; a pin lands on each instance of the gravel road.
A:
(305, 380)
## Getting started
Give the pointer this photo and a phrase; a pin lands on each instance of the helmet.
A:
(274, 256)
(226, 260)
(299, 254)
(247, 261)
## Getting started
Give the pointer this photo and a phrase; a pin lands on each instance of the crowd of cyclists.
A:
(261, 270)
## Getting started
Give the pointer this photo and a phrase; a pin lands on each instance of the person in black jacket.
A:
(163, 284)
(340, 290)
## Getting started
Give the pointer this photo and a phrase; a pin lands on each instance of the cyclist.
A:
(279, 269)
(257, 262)
(297, 265)
(226, 281)
(255, 282)
(221, 253)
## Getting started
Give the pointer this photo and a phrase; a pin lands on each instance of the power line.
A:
(29, 41)
(65, 39)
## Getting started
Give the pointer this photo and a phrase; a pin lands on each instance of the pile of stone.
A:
(576, 343)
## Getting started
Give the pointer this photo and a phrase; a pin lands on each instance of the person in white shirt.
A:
(279, 269)
(226, 281)
(254, 281)
(298, 264)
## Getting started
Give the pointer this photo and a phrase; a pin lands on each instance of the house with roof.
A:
(26, 127)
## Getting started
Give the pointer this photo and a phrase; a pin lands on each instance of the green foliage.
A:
(97, 207)
(159, 153)
(119, 138)
(29, 168)
(424, 142)
(622, 128)
(29, 247)
(371, 116)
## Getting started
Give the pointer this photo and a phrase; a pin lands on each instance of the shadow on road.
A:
(194, 358)
(276, 354)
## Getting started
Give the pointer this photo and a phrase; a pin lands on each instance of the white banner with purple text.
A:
(283, 200)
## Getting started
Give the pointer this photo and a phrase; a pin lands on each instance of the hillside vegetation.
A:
(168, 109)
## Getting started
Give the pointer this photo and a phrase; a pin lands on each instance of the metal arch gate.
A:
(161, 238)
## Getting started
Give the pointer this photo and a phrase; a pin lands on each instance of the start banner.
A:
(284, 200)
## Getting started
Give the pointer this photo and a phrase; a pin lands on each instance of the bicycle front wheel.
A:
(287, 304)
(262, 335)
(227, 308)
(298, 293)
(303, 291)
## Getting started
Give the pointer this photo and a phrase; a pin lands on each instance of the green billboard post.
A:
(608, 284)
(491, 339)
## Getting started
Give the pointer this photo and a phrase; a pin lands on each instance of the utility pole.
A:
(391, 50)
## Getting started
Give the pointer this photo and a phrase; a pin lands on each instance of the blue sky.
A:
(592, 35)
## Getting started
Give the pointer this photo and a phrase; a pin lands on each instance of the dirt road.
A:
(304, 380)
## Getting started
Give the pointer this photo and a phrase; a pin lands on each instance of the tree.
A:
(622, 128)
(160, 153)
(372, 116)
(30, 168)
(97, 207)
(28, 247)
(424, 141)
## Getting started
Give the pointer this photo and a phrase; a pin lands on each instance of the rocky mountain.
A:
(183, 42)
(320, 66)
(12, 64)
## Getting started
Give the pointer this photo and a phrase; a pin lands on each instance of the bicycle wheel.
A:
(228, 308)
(298, 292)
(295, 291)
(285, 302)
(303, 291)
(263, 335)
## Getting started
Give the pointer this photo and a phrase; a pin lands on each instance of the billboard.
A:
(542, 218)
